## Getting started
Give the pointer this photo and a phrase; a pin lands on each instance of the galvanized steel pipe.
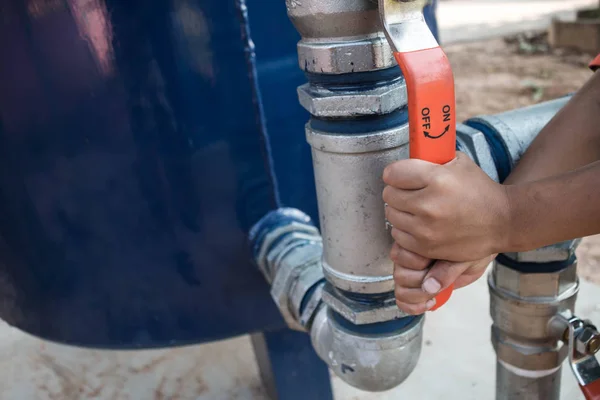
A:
(527, 291)
(497, 142)
(348, 332)
(514, 384)
(358, 126)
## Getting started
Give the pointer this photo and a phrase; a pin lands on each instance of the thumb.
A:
(443, 274)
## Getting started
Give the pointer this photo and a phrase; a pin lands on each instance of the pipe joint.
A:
(288, 249)
(524, 306)
(497, 142)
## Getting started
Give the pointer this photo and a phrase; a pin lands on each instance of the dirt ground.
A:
(494, 76)
(503, 74)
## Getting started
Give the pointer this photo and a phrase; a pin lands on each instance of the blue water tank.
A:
(139, 141)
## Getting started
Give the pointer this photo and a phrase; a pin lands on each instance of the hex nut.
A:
(345, 57)
(587, 341)
(325, 103)
(525, 286)
(360, 313)
(558, 252)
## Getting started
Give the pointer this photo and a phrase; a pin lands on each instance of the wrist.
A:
(521, 220)
(503, 238)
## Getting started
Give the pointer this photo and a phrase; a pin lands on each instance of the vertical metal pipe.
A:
(357, 100)
(512, 384)
(527, 292)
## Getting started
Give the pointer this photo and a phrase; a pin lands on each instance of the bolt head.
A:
(593, 345)
(588, 341)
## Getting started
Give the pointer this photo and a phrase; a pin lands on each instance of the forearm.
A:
(552, 210)
(569, 141)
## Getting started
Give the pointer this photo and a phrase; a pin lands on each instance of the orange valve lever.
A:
(431, 113)
(429, 84)
(591, 391)
(431, 103)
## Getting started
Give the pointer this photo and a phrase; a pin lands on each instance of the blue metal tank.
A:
(139, 142)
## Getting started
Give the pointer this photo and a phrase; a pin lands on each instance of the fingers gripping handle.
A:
(431, 113)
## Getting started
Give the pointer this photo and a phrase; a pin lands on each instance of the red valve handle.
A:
(431, 113)
(591, 391)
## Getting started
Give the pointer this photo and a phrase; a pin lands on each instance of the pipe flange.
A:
(324, 103)
(360, 313)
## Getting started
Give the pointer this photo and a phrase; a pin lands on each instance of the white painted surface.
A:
(469, 20)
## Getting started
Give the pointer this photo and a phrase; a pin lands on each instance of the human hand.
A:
(449, 212)
(416, 285)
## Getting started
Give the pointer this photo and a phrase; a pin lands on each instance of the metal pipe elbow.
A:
(369, 356)
(372, 358)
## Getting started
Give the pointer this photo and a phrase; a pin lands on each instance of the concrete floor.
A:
(457, 362)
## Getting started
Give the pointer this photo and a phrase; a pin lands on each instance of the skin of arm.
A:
(552, 195)
(553, 209)
(570, 140)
